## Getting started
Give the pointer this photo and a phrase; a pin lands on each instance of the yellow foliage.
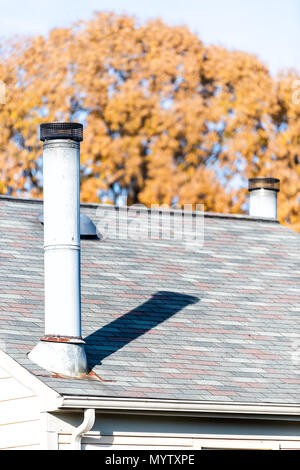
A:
(167, 118)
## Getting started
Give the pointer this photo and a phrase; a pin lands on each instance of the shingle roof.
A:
(219, 324)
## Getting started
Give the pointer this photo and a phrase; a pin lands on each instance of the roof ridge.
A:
(171, 211)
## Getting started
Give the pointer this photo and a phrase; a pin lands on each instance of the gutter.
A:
(179, 407)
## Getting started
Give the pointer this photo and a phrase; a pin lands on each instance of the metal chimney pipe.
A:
(263, 197)
(61, 350)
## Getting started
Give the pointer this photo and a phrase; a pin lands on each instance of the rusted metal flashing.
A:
(63, 339)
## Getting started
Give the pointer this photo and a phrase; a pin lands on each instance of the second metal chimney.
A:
(61, 349)
(263, 197)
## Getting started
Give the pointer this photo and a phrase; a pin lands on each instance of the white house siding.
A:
(124, 431)
(19, 415)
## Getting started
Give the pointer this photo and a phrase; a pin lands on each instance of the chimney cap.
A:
(264, 183)
(61, 130)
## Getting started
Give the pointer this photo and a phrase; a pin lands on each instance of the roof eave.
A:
(51, 400)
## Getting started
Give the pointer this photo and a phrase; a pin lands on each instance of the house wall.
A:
(124, 431)
(19, 415)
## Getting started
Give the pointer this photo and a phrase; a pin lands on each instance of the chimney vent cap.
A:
(264, 183)
(61, 130)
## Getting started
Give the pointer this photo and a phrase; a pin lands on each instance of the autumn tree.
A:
(167, 119)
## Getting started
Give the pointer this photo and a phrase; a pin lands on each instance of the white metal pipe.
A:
(61, 350)
(263, 197)
(263, 203)
(61, 160)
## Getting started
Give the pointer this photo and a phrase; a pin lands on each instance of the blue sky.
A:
(267, 28)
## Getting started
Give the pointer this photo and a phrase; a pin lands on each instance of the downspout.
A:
(85, 426)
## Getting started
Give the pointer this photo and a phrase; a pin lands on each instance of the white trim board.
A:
(50, 399)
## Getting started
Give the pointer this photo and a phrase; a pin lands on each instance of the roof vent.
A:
(87, 227)
(263, 197)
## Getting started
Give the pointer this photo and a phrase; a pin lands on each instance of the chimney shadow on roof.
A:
(116, 334)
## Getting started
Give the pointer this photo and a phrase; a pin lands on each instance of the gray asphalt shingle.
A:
(161, 321)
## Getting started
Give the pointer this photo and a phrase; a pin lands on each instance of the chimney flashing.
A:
(66, 359)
